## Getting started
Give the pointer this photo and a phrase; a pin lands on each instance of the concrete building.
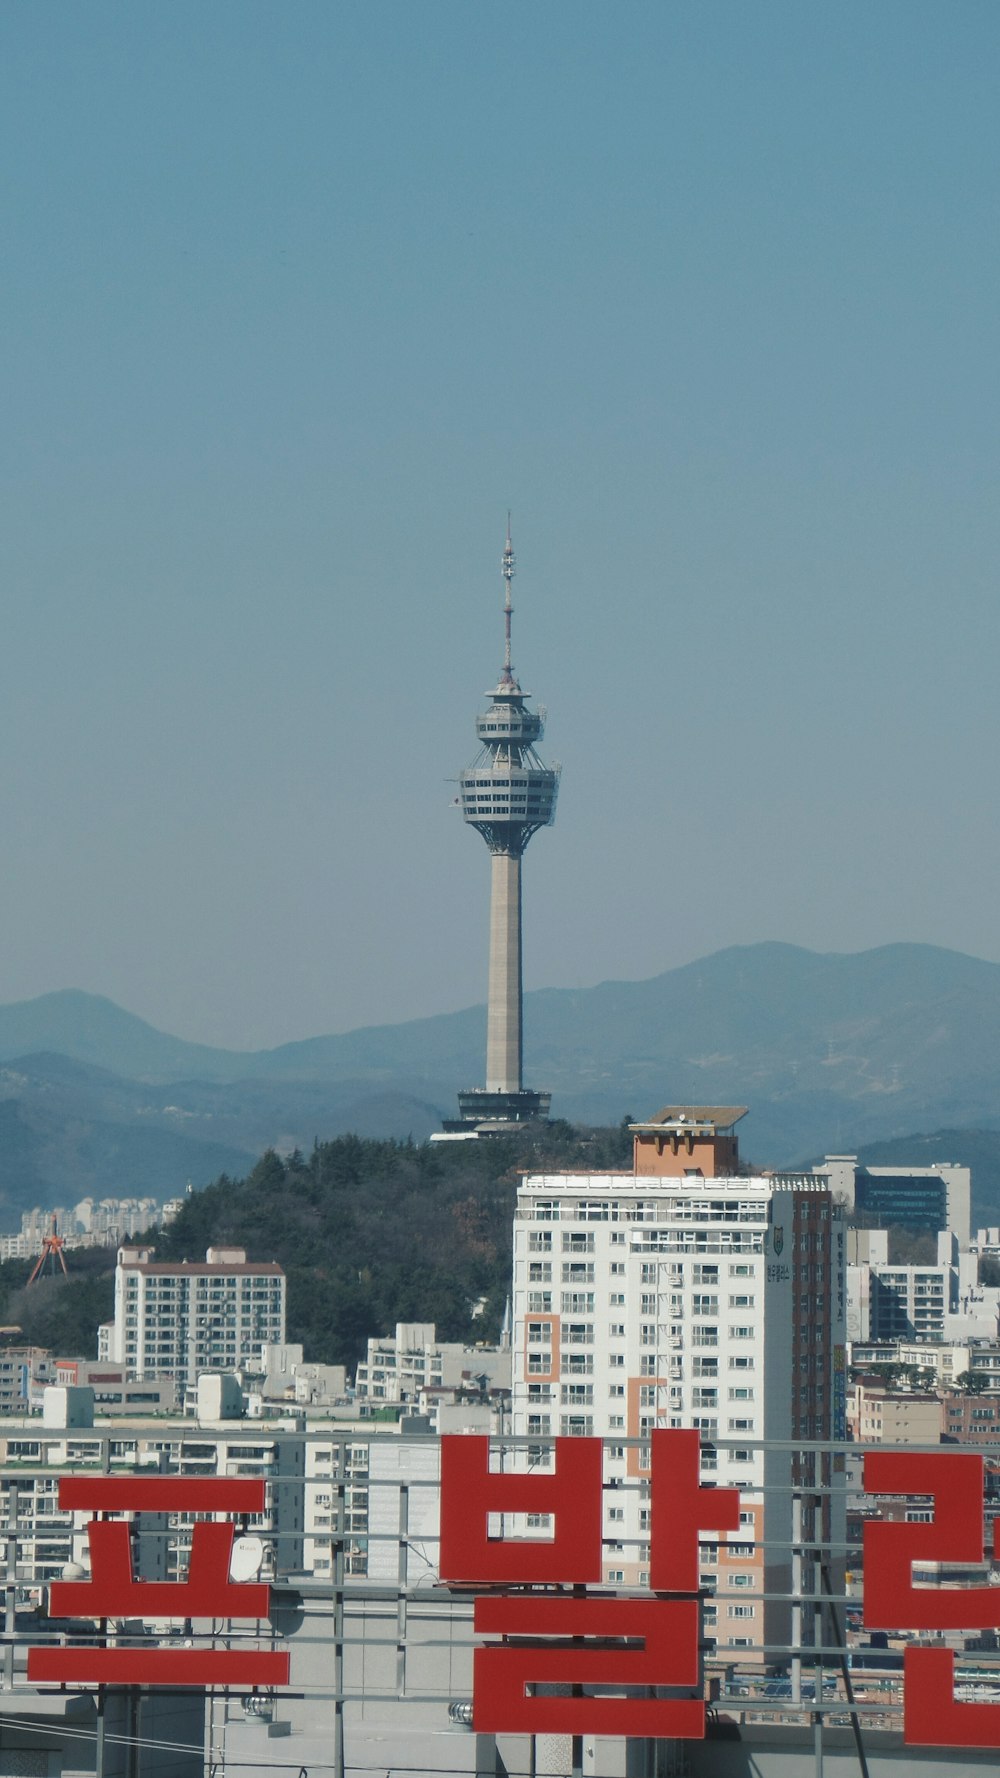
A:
(884, 1417)
(684, 1295)
(972, 1419)
(887, 1302)
(280, 1373)
(23, 1368)
(402, 1365)
(507, 794)
(916, 1198)
(115, 1392)
(177, 1320)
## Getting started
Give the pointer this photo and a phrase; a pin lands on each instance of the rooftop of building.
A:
(186, 1268)
(222, 1262)
(727, 1185)
(703, 1119)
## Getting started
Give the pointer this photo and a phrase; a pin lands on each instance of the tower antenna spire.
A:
(508, 570)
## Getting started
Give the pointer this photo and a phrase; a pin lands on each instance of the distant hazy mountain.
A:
(829, 1052)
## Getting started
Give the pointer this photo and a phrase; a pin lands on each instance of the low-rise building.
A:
(970, 1419)
(885, 1417)
(399, 1366)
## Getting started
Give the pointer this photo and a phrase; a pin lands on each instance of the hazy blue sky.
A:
(297, 299)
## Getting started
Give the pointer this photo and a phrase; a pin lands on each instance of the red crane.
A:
(52, 1250)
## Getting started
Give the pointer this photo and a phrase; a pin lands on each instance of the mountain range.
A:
(830, 1052)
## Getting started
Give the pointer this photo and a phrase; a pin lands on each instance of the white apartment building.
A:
(33, 1455)
(684, 1295)
(177, 1320)
(88, 1224)
(400, 1366)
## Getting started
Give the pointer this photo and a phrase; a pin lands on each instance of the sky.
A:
(297, 301)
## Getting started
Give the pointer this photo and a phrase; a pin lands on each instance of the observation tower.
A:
(507, 794)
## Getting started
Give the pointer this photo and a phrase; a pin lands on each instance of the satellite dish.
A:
(247, 1558)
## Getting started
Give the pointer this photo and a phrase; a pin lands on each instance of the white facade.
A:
(643, 1302)
(178, 1320)
(926, 1303)
(400, 1366)
(33, 1454)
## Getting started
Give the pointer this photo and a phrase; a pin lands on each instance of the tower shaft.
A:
(503, 1010)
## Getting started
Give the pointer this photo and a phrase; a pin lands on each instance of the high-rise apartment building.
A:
(683, 1294)
(178, 1320)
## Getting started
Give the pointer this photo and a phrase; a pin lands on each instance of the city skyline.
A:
(298, 306)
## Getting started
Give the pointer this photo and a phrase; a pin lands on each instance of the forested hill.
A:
(375, 1232)
(371, 1233)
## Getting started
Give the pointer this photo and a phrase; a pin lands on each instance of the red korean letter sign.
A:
(954, 1482)
(114, 1592)
(571, 1646)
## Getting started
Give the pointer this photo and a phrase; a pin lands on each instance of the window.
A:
(741, 1302)
(617, 1299)
(741, 1611)
(617, 1330)
(617, 1359)
(741, 1333)
(616, 1389)
(617, 1267)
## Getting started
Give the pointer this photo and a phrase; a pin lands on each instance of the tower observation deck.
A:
(507, 794)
